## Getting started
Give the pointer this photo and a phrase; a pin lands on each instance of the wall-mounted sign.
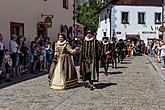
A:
(162, 29)
(148, 32)
(48, 22)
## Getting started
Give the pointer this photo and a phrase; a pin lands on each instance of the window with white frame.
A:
(124, 18)
(157, 18)
(141, 18)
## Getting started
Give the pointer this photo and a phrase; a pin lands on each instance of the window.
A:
(141, 18)
(16, 28)
(157, 18)
(79, 32)
(124, 18)
(65, 4)
(105, 33)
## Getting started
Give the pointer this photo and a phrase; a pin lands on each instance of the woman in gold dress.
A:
(62, 74)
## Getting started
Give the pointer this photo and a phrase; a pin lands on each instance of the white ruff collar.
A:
(105, 43)
(88, 39)
(61, 43)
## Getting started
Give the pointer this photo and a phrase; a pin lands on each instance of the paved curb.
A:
(157, 68)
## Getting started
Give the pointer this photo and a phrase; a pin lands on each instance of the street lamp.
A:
(163, 18)
(109, 10)
(74, 19)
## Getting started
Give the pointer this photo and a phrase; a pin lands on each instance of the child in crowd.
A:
(43, 60)
(35, 50)
(8, 65)
(49, 53)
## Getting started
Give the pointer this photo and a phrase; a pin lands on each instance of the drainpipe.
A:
(74, 18)
(109, 10)
(163, 18)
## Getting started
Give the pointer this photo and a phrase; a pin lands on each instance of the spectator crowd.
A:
(19, 58)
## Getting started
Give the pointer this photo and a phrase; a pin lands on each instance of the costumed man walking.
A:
(105, 54)
(120, 47)
(89, 68)
(113, 52)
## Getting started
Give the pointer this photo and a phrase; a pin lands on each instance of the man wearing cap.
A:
(120, 47)
(105, 54)
(89, 60)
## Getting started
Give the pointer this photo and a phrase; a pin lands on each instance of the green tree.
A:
(88, 14)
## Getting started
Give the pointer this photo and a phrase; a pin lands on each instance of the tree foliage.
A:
(88, 14)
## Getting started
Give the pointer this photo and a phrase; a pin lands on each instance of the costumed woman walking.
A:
(62, 74)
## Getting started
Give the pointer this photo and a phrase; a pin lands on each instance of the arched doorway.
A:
(41, 29)
(64, 29)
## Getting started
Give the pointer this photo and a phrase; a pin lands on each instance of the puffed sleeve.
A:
(69, 49)
(56, 52)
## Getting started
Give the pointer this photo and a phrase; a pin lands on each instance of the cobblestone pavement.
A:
(157, 66)
(133, 86)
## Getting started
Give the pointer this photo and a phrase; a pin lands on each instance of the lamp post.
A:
(162, 28)
(74, 19)
(109, 10)
(163, 18)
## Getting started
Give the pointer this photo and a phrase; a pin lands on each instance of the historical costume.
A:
(63, 73)
(105, 54)
(113, 53)
(129, 49)
(89, 68)
(120, 47)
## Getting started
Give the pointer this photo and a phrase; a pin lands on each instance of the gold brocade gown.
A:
(63, 73)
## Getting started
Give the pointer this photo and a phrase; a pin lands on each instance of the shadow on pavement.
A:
(103, 85)
(116, 72)
(122, 67)
(127, 62)
(129, 58)
(25, 77)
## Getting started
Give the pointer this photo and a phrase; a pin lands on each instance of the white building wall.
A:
(104, 25)
(133, 27)
(29, 13)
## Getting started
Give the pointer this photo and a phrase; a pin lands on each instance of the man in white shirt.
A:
(15, 50)
(162, 53)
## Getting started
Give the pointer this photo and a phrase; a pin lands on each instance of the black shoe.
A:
(86, 85)
(92, 87)
(34, 72)
(106, 74)
(8, 80)
(18, 75)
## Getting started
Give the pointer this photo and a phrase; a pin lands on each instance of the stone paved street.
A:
(135, 85)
